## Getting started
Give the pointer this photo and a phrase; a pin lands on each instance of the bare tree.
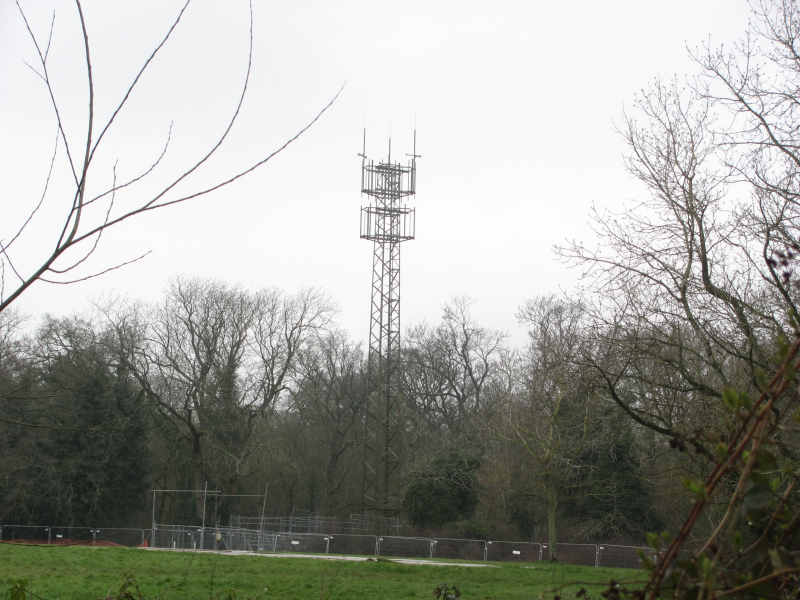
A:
(553, 416)
(675, 310)
(330, 398)
(758, 82)
(92, 207)
(452, 372)
(756, 86)
(216, 361)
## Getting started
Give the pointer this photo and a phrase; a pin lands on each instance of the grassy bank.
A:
(80, 572)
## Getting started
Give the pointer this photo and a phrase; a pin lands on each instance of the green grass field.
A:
(80, 572)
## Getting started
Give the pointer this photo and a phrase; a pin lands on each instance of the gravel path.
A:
(405, 561)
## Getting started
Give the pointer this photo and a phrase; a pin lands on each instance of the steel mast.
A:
(386, 222)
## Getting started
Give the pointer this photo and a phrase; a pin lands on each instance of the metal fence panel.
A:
(410, 547)
(345, 543)
(577, 554)
(610, 555)
(208, 538)
(459, 548)
(117, 537)
(247, 539)
(72, 535)
(25, 534)
(240, 540)
(176, 537)
(311, 543)
(229, 539)
(513, 551)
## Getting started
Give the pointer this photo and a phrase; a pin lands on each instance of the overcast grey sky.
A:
(514, 104)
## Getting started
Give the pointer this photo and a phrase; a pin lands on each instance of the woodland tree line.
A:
(236, 388)
(586, 431)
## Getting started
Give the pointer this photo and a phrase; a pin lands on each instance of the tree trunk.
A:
(330, 480)
(199, 471)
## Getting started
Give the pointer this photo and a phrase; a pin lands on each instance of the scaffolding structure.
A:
(387, 223)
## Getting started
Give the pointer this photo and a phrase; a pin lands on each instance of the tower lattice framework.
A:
(387, 223)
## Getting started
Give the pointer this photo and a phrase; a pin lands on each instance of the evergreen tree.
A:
(443, 492)
(614, 499)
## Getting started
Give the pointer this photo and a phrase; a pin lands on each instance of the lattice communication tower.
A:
(386, 222)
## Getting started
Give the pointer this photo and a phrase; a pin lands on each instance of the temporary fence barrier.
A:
(234, 539)
(577, 554)
(71, 536)
(610, 555)
(120, 536)
(463, 549)
(181, 537)
(409, 547)
(303, 542)
(513, 551)
(346, 543)
(177, 538)
(25, 534)
(249, 539)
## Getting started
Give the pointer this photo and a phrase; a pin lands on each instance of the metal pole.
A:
(203, 532)
(263, 508)
(154, 520)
